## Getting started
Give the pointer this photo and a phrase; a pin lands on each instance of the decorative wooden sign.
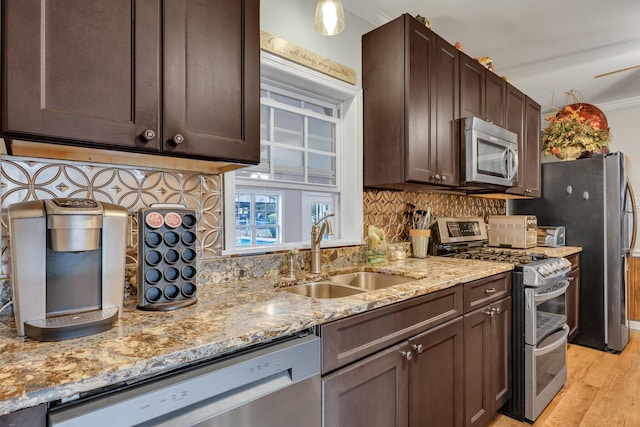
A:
(302, 56)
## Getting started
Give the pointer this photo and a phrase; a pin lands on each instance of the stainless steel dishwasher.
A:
(273, 385)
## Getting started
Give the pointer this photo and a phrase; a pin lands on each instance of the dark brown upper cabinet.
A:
(482, 92)
(486, 95)
(410, 90)
(523, 118)
(171, 77)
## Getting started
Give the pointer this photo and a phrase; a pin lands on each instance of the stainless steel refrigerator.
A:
(593, 200)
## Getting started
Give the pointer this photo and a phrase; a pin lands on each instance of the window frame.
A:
(349, 166)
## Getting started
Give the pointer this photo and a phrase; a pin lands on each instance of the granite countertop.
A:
(562, 251)
(227, 317)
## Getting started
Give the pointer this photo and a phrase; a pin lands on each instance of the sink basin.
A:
(369, 280)
(323, 290)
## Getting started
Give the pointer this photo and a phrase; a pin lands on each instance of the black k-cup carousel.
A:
(166, 257)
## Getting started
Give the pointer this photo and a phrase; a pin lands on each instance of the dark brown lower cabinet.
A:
(29, 417)
(487, 336)
(416, 383)
(436, 377)
(440, 360)
(369, 393)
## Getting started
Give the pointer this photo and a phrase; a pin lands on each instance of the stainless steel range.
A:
(539, 285)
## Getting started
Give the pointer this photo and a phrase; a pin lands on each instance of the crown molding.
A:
(620, 104)
(366, 12)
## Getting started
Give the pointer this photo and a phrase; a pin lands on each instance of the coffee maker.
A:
(67, 259)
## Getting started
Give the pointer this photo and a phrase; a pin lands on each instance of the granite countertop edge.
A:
(227, 317)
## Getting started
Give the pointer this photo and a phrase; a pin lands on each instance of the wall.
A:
(292, 20)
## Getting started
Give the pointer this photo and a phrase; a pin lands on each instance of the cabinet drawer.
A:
(484, 291)
(350, 339)
(574, 260)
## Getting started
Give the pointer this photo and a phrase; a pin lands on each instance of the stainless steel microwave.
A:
(489, 153)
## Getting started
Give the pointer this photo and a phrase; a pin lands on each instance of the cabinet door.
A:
(83, 71)
(383, 80)
(514, 122)
(495, 98)
(445, 146)
(477, 367)
(369, 393)
(420, 161)
(500, 350)
(472, 87)
(436, 377)
(212, 79)
(573, 303)
(531, 170)
(35, 416)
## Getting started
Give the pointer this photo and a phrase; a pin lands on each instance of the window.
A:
(258, 220)
(310, 164)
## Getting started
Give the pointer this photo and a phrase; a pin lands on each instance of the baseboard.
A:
(635, 325)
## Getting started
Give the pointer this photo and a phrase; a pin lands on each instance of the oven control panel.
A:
(542, 272)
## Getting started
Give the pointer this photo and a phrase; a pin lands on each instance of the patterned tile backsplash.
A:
(25, 179)
(389, 209)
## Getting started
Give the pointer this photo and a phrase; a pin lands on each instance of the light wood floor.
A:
(602, 389)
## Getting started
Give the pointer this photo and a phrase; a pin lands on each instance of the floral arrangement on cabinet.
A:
(576, 130)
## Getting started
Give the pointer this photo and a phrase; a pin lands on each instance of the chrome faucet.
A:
(318, 230)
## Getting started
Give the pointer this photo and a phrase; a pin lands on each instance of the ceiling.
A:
(545, 48)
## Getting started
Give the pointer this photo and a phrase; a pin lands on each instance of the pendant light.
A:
(329, 17)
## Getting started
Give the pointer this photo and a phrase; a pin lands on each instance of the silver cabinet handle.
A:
(490, 291)
(496, 311)
(177, 139)
(443, 177)
(438, 177)
(418, 348)
(407, 355)
(148, 135)
(490, 312)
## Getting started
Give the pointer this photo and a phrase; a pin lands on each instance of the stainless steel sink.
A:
(323, 290)
(369, 280)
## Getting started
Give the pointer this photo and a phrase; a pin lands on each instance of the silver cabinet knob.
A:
(490, 312)
(148, 135)
(177, 139)
(418, 348)
(443, 177)
(407, 355)
(438, 177)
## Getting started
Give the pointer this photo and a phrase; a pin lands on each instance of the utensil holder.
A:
(419, 242)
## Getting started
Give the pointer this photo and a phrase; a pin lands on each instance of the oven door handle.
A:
(551, 295)
(554, 345)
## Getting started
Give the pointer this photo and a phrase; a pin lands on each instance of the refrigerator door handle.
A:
(634, 216)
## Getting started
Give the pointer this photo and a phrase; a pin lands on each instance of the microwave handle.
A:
(513, 163)
(504, 163)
